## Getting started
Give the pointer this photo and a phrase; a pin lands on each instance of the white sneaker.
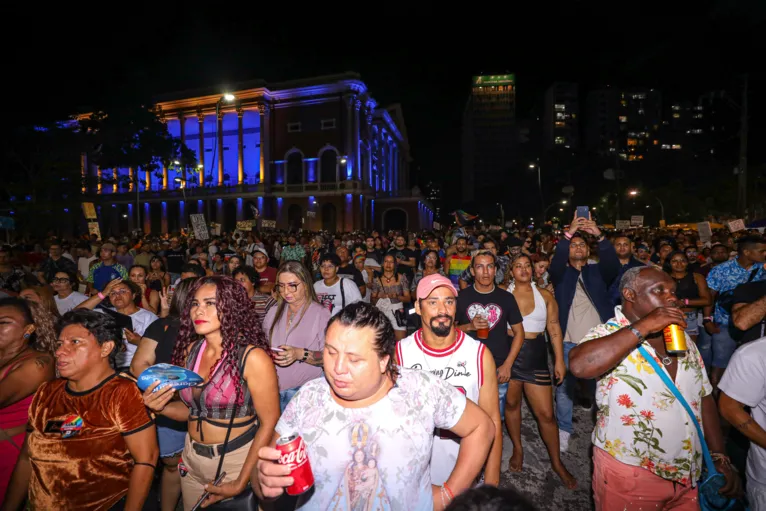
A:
(564, 441)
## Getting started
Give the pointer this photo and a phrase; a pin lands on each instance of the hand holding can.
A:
(295, 456)
(273, 477)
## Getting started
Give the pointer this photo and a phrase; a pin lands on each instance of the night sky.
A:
(70, 61)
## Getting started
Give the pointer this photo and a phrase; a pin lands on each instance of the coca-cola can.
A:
(294, 454)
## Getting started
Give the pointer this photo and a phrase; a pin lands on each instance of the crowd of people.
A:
(400, 359)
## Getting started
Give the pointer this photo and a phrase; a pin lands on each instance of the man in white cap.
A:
(461, 361)
(268, 274)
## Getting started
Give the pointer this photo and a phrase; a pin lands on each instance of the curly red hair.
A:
(239, 326)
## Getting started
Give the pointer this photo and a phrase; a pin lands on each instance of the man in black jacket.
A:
(582, 293)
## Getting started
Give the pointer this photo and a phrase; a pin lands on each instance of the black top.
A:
(748, 293)
(175, 259)
(164, 331)
(503, 312)
(687, 287)
(352, 273)
(403, 255)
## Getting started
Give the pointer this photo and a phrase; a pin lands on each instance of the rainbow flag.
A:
(462, 218)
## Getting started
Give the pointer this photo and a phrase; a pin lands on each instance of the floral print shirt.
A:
(727, 276)
(639, 421)
(375, 458)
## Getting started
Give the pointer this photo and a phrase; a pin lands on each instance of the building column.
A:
(368, 162)
(114, 177)
(148, 176)
(265, 140)
(219, 134)
(98, 179)
(164, 177)
(355, 140)
(201, 152)
(219, 212)
(349, 135)
(130, 178)
(397, 169)
(240, 148)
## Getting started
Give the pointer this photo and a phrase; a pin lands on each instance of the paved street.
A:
(537, 481)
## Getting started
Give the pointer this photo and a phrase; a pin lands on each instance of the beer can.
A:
(294, 454)
(675, 339)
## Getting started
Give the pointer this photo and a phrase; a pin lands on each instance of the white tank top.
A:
(537, 320)
(461, 365)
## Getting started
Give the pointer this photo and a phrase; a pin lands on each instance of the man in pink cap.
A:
(461, 361)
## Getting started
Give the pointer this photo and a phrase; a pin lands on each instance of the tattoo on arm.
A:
(743, 426)
(314, 358)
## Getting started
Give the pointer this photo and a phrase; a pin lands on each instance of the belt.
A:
(213, 451)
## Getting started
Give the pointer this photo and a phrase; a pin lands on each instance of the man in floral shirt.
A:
(647, 453)
(293, 251)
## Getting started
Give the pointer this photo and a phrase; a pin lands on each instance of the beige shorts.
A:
(200, 470)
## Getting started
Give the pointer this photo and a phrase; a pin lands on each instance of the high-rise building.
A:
(489, 137)
(561, 117)
(433, 193)
(625, 122)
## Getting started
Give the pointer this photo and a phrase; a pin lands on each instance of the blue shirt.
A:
(725, 277)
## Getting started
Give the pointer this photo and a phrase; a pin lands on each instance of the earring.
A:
(27, 336)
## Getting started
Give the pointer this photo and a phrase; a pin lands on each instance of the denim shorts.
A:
(171, 441)
(285, 396)
(692, 324)
(502, 391)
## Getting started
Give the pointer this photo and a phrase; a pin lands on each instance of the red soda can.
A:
(294, 454)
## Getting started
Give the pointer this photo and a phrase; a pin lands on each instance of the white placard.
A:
(736, 225)
(93, 228)
(269, 224)
(437, 225)
(706, 234)
(311, 214)
(200, 229)
(622, 224)
(637, 220)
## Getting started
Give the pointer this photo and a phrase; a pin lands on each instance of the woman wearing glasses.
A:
(66, 298)
(123, 295)
(295, 329)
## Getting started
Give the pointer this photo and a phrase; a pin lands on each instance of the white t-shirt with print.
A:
(141, 320)
(376, 457)
(330, 296)
(74, 299)
(745, 381)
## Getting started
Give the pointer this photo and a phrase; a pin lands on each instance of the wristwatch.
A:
(641, 338)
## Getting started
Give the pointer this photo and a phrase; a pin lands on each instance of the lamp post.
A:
(228, 98)
(562, 202)
(534, 165)
(635, 193)
(182, 182)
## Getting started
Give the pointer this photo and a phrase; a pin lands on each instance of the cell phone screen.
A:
(582, 211)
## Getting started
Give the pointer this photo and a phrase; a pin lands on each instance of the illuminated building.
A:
(489, 137)
(317, 154)
(561, 117)
(623, 123)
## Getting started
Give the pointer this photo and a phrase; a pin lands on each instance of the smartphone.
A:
(583, 211)
(274, 348)
(207, 494)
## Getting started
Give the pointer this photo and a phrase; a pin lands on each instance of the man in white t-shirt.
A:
(332, 291)
(744, 384)
(368, 426)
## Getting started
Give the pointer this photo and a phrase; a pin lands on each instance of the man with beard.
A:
(459, 360)
(484, 306)
(405, 257)
(293, 251)
(456, 263)
(624, 248)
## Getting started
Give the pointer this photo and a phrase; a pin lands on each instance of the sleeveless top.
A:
(461, 365)
(215, 400)
(687, 287)
(537, 320)
(16, 414)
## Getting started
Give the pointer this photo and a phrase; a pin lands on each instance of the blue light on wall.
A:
(130, 208)
(199, 206)
(28, 198)
(279, 200)
(260, 205)
(311, 169)
(66, 210)
(181, 207)
(220, 202)
(349, 170)
(239, 208)
(13, 212)
(312, 201)
(114, 205)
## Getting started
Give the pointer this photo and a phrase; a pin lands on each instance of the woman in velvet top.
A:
(221, 340)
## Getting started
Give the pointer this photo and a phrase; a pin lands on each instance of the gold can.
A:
(675, 339)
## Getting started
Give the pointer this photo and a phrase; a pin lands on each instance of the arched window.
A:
(327, 166)
(295, 169)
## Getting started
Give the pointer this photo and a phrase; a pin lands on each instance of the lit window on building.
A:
(559, 124)
(574, 116)
(699, 108)
(655, 142)
(612, 149)
(632, 141)
(559, 140)
(641, 111)
(561, 115)
(696, 131)
(676, 115)
(632, 157)
(560, 107)
(676, 146)
(676, 107)
(623, 118)
(623, 103)
(623, 156)
(697, 116)
(666, 146)
(639, 96)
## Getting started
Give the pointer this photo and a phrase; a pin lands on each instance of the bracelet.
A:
(451, 495)
(147, 464)
(568, 236)
(305, 355)
(717, 456)
(101, 295)
(641, 338)
(686, 302)
(707, 318)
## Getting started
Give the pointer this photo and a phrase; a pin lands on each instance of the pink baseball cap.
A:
(427, 285)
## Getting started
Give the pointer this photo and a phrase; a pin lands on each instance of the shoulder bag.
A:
(712, 480)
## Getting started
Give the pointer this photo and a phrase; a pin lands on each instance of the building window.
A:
(559, 124)
(676, 146)
(666, 146)
(560, 107)
(561, 115)
(328, 124)
(676, 107)
(632, 141)
(676, 115)
(623, 118)
(559, 140)
(655, 142)
(293, 127)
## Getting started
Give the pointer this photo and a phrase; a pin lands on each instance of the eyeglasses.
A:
(291, 287)
(60, 279)
(118, 292)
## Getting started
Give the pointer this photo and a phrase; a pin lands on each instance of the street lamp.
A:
(634, 193)
(534, 165)
(182, 182)
(562, 202)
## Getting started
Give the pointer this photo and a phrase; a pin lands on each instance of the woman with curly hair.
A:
(221, 339)
(27, 344)
(42, 295)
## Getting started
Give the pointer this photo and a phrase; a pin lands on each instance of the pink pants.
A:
(625, 487)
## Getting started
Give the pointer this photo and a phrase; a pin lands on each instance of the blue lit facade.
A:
(321, 146)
